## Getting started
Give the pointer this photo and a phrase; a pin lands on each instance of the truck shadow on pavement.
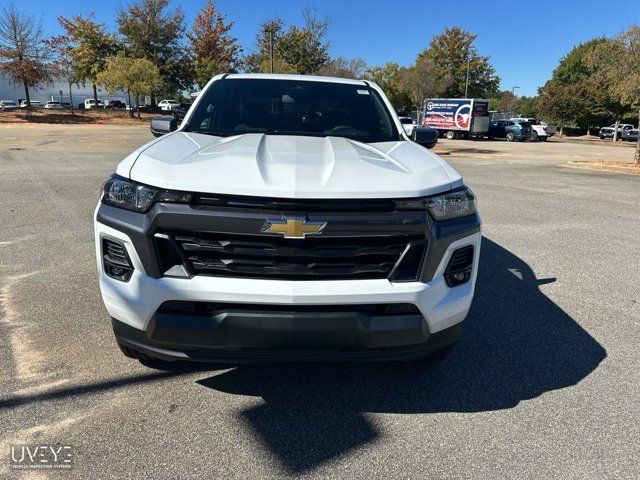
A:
(517, 344)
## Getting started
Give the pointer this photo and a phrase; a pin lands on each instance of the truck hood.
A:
(283, 166)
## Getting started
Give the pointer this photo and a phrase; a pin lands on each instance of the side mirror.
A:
(425, 136)
(163, 125)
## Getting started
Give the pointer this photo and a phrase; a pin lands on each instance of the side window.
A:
(510, 124)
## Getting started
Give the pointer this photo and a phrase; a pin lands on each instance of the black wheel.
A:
(451, 135)
(510, 136)
(544, 139)
(602, 137)
(431, 145)
(534, 136)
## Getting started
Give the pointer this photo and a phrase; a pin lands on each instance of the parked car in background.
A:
(33, 103)
(510, 130)
(408, 124)
(142, 107)
(632, 135)
(114, 104)
(53, 106)
(8, 105)
(539, 130)
(168, 105)
(623, 131)
(91, 103)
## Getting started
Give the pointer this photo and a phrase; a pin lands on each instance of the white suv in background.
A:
(8, 105)
(91, 103)
(539, 130)
(287, 218)
(168, 105)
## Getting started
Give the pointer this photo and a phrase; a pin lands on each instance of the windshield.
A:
(293, 107)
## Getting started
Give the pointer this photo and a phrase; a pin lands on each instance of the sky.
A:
(524, 40)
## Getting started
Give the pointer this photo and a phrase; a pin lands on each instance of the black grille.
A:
(322, 258)
(298, 205)
(461, 260)
(115, 252)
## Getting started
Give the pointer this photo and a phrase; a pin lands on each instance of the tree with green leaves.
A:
(453, 53)
(302, 50)
(153, 31)
(137, 75)
(528, 107)
(617, 74)
(267, 38)
(421, 81)
(213, 48)
(576, 87)
(388, 77)
(23, 56)
(90, 46)
(561, 104)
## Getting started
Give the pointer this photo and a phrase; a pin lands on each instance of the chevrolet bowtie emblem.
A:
(293, 227)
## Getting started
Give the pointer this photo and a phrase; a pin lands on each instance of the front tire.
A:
(534, 136)
(510, 136)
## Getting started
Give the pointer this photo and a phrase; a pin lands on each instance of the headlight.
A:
(123, 193)
(457, 203)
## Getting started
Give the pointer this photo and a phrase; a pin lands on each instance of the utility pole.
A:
(466, 85)
(271, 48)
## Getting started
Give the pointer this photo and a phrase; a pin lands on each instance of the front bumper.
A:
(243, 338)
(134, 306)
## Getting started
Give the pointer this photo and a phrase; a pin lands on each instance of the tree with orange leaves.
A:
(213, 48)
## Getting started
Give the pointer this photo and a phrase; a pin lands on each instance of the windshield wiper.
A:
(214, 134)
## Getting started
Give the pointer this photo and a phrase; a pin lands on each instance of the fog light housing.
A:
(115, 260)
(459, 268)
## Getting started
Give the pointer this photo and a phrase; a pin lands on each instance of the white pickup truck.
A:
(623, 131)
(288, 218)
(539, 130)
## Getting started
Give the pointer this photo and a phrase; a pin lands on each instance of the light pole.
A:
(513, 97)
(124, 48)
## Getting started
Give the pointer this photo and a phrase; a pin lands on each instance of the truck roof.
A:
(281, 76)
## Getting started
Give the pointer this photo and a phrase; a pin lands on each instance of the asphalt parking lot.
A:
(544, 384)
